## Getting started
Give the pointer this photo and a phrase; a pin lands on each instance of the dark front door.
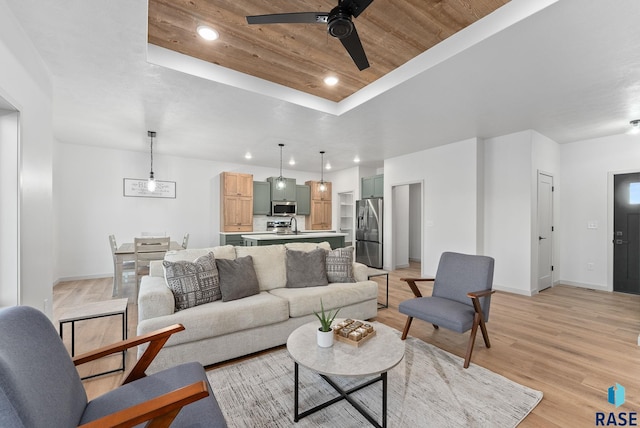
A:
(626, 233)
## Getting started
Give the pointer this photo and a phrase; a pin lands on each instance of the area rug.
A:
(429, 388)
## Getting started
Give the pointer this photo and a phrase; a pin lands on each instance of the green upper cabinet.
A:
(286, 194)
(303, 199)
(261, 198)
(372, 187)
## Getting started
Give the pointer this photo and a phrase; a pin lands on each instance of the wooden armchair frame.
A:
(160, 411)
(478, 317)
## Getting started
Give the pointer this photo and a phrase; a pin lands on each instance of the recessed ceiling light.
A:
(248, 155)
(207, 32)
(635, 127)
(331, 80)
(328, 166)
(356, 159)
(292, 161)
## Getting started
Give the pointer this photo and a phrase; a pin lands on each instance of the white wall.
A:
(90, 204)
(25, 83)
(587, 196)
(510, 205)
(449, 180)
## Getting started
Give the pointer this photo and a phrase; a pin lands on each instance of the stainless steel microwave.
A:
(283, 208)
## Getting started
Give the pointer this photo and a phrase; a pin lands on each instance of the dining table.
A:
(126, 253)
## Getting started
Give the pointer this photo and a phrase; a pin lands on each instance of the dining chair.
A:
(460, 299)
(127, 266)
(185, 241)
(153, 234)
(146, 250)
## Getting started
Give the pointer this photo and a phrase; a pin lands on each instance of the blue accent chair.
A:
(460, 299)
(40, 386)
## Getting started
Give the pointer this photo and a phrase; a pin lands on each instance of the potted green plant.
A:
(325, 333)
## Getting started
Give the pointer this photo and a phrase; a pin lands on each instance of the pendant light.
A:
(280, 183)
(151, 183)
(323, 186)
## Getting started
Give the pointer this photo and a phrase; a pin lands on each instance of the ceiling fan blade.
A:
(290, 18)
(356, 7)
(353, 45)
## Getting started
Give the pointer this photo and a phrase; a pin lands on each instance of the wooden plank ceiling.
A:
(301, 55)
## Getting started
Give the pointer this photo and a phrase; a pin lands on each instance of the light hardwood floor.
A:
(568, 342)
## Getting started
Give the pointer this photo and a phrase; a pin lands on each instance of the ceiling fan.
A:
(339, 25)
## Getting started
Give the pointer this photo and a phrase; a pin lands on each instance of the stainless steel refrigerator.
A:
(369, 232)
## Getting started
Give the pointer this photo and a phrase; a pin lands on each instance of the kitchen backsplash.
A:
(260, 222)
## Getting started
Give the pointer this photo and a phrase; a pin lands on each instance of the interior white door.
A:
(545, 231)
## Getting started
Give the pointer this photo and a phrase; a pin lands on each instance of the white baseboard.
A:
(513, 290)
(82, 277)
(582, 285)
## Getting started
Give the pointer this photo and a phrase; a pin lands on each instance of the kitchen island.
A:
(336, 240)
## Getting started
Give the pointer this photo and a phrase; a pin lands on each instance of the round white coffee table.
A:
(376, 356)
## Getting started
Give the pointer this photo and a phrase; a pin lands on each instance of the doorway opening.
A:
(9, 201)
(407, 224)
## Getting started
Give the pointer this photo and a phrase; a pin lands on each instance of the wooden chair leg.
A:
(472, 340)
(406, 328)
(485, 335)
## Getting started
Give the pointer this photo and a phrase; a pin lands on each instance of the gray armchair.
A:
(460, 299)
(40, 386)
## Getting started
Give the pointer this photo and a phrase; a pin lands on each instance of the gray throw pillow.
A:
(193, 284)
(306, 268)
(238, 278)
(340, 265)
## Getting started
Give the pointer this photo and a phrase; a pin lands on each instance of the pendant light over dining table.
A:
(151, 183)
(323, 186)
(280, 183)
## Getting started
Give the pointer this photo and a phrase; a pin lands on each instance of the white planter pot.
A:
(325, 338)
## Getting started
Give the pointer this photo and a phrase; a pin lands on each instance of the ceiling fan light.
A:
(207, 33)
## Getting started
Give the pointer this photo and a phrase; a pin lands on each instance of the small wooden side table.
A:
(379, 272)
(94, 310)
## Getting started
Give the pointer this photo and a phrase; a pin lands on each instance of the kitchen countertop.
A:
(267, 232)
(274, 236)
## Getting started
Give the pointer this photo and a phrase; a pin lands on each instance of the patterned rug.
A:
(429, 388)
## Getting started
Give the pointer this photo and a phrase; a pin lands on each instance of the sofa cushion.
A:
(190, 254)
(193, 283)
(306, 301)
(306, 268)
(340, 265)
(269, 263)
(220, 318)
(307, 246)
(237, 278)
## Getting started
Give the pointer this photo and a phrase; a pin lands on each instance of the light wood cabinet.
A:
(321, 207)
(236, 202)
(319, 195)
(237, 184)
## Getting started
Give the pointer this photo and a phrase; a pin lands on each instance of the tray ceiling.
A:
(299, 56)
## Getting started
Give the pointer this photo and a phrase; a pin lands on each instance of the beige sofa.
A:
(218, 331)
